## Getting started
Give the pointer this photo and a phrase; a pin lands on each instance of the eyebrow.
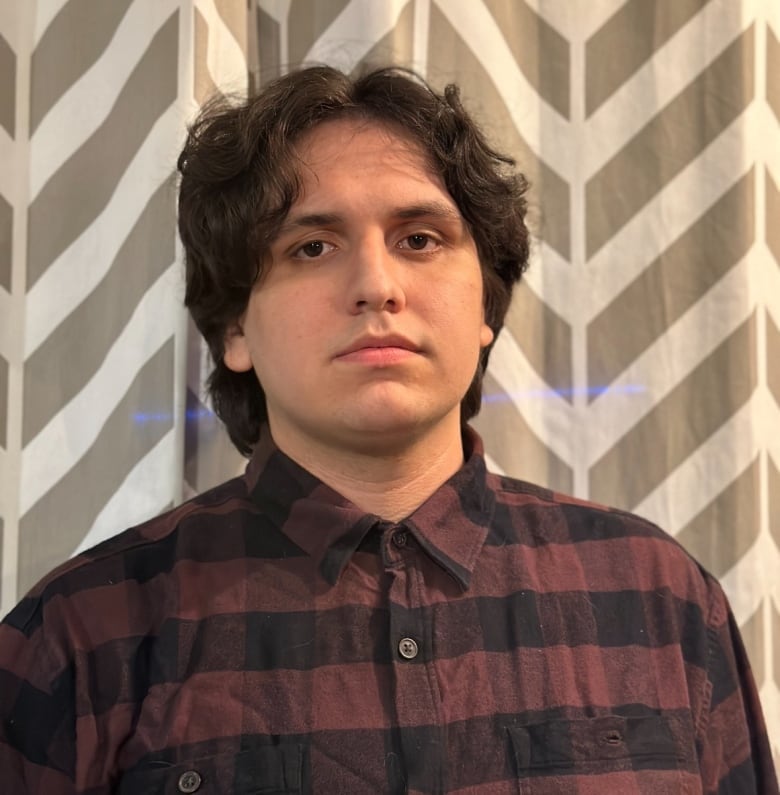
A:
(432, 209)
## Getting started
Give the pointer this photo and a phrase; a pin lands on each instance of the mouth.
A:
(378, 350)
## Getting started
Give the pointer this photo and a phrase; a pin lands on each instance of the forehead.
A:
(359, 150)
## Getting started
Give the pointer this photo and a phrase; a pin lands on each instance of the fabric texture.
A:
(269, 636)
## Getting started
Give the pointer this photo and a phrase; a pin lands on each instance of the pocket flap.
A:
(267, 770)
(648, 741)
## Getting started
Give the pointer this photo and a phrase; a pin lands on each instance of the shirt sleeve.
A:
(735, 754)
(37, 707)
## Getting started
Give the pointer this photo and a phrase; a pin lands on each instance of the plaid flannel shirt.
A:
(269, 636)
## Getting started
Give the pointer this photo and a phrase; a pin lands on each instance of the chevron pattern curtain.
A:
(640, 365)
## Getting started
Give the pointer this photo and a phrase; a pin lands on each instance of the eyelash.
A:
(300, 251)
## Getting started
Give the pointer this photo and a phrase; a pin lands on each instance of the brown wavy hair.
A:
(239, 180)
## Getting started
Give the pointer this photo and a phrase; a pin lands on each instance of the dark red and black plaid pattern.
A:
(269, 637)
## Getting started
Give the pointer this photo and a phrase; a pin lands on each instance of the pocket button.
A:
(189, 781)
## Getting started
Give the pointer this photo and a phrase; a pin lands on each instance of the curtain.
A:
(640, 363)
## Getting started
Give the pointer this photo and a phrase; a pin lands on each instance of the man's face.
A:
(366, 327)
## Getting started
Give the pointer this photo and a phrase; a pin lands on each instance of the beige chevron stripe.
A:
(73, 41)
(776, 636)
(682, 274)
(726, 528)
(679, 423)
(773, 71)
(7, 87)
(7, 123)
(773, 355)
(772, 199)
(306, 22)
(455, 60)
(526, 455)
(100, 161)
(546, 338)
(265, 57)
(6, 242)
(638, 171)
(210, 455)
(3, 406)
(540, 51)
(71, 354)
(627, 40)
(134, 427)
(773, 490)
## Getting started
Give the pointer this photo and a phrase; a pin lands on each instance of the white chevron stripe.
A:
(705, 473)
(45, 11)
(553, 279)
(676, 207)
(761, 9)
(87, 103)
(755, 576)
(69, 434)
(86, 261)
(354, 32)
(547, 414)
(671, 69)
(144, 493)
(226, 62)
(543, 128)
(771, 154)
(656, 371)
(420, 34)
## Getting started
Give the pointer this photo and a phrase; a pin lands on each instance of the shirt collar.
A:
(451, 525)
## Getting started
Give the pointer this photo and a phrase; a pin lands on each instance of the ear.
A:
(237, 356)
(486, 335)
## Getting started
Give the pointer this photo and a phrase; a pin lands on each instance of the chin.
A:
(390, 427)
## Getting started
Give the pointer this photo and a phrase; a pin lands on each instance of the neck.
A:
(391, 484)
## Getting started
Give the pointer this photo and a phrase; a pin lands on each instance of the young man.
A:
(368, 610)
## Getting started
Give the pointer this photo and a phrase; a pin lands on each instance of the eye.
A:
(419, 241)
(313, 249)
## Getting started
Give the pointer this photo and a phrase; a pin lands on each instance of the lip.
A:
(371, 349)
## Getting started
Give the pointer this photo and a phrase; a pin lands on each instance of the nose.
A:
(375, 278)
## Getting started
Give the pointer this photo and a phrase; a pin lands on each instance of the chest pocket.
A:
(273, 770)
(651, 753)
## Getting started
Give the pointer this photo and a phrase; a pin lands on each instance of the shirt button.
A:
(407, 648)
(189, 781)
(399, 539)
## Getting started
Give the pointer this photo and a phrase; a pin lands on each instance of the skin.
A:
(366, 327)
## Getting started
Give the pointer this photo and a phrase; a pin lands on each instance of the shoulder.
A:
(618, 550)
(200, 528)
